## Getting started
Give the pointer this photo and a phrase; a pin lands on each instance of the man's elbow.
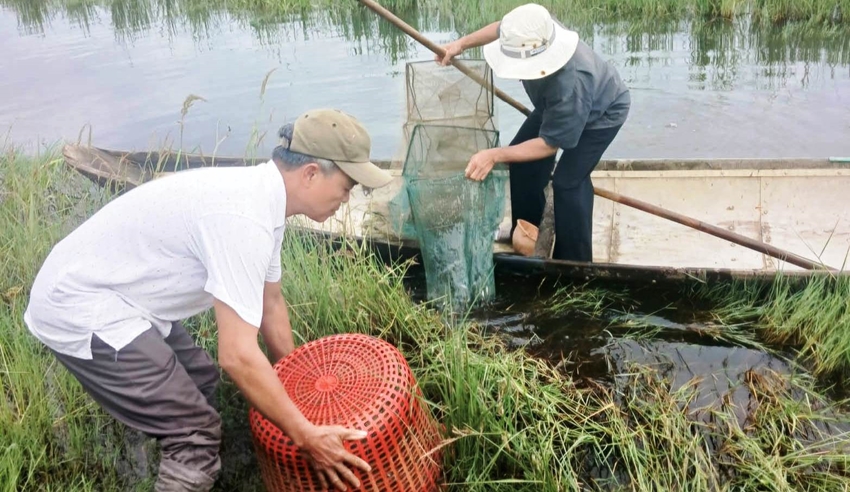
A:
(548, 146)
(270, 311)
(233, 359)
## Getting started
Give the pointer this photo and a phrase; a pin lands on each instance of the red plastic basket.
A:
(360, 382)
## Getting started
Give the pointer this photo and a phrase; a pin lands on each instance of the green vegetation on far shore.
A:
(354, 19)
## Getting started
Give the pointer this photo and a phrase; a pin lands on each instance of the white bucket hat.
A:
(531, 44)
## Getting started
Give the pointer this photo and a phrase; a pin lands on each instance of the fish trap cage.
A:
(360, 382)
(445, 95)
(437, 95)
(450, 117)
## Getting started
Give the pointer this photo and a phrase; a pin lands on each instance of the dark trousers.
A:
(164, 388)
(572, 188)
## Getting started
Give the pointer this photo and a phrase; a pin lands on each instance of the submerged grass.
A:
(512, 421)
(586, 300)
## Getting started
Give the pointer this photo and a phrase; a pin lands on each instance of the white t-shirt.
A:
(161, 253)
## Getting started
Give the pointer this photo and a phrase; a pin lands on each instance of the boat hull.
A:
(798, 205)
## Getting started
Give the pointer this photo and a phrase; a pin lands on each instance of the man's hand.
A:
(240, 356)
(486, 34)
(481, 164)
(453, 49)
(324, 450)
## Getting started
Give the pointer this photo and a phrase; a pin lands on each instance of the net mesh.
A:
(438, 95)
(450, 117)
(445, 95)
(454, 217)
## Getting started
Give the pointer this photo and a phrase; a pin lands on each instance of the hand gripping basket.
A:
(360, 382)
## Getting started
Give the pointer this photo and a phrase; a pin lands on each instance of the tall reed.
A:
(50, 431)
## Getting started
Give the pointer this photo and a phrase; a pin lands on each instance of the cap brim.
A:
(546, 63)
(365, 173)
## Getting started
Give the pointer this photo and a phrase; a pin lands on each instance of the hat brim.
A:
(365, 173)
(546, 63)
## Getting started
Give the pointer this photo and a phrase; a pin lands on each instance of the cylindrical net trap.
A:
(363, 383)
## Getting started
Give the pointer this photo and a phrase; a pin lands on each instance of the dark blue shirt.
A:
(586, 94)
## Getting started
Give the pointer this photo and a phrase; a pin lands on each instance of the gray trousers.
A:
(164, 388)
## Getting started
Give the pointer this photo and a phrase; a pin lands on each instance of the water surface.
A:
(121, 75)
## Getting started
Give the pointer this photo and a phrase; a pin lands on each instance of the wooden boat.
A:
(799, 205)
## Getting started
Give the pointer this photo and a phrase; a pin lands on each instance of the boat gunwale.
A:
(516, 264)
(166, 161)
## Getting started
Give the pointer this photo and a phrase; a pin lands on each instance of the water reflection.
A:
(777, 89)
(719, 49)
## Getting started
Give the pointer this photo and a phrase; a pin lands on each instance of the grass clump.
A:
(791, 438)
(52, 435)
(812, 315)
(780, 435)
(268, 18)
(812, 11)
(585, 300)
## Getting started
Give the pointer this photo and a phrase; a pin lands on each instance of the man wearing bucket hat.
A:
(109, 298)
(580, 103)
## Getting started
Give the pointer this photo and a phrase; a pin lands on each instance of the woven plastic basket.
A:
(360, 382)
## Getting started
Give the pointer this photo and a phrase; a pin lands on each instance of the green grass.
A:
(813, 317)
(823, 12)
(50, 431)
(586, 300)
(512, 422)
(776, 32)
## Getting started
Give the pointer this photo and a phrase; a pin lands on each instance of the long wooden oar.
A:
(759, 246)
(699, 225)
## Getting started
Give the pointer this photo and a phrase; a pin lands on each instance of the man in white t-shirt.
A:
(110, 296)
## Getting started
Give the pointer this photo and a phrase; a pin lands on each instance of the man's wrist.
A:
(498, 154)
(299, 433)
(463, 42)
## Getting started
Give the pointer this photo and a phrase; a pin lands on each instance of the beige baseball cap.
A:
(336, 136)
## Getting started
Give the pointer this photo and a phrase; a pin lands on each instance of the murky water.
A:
(700, 89)
(636, 328)
(653, 327)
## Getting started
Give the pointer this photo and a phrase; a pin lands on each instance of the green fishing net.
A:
(455, 218)
(450, 117)
(444, 96)
(440, 95)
